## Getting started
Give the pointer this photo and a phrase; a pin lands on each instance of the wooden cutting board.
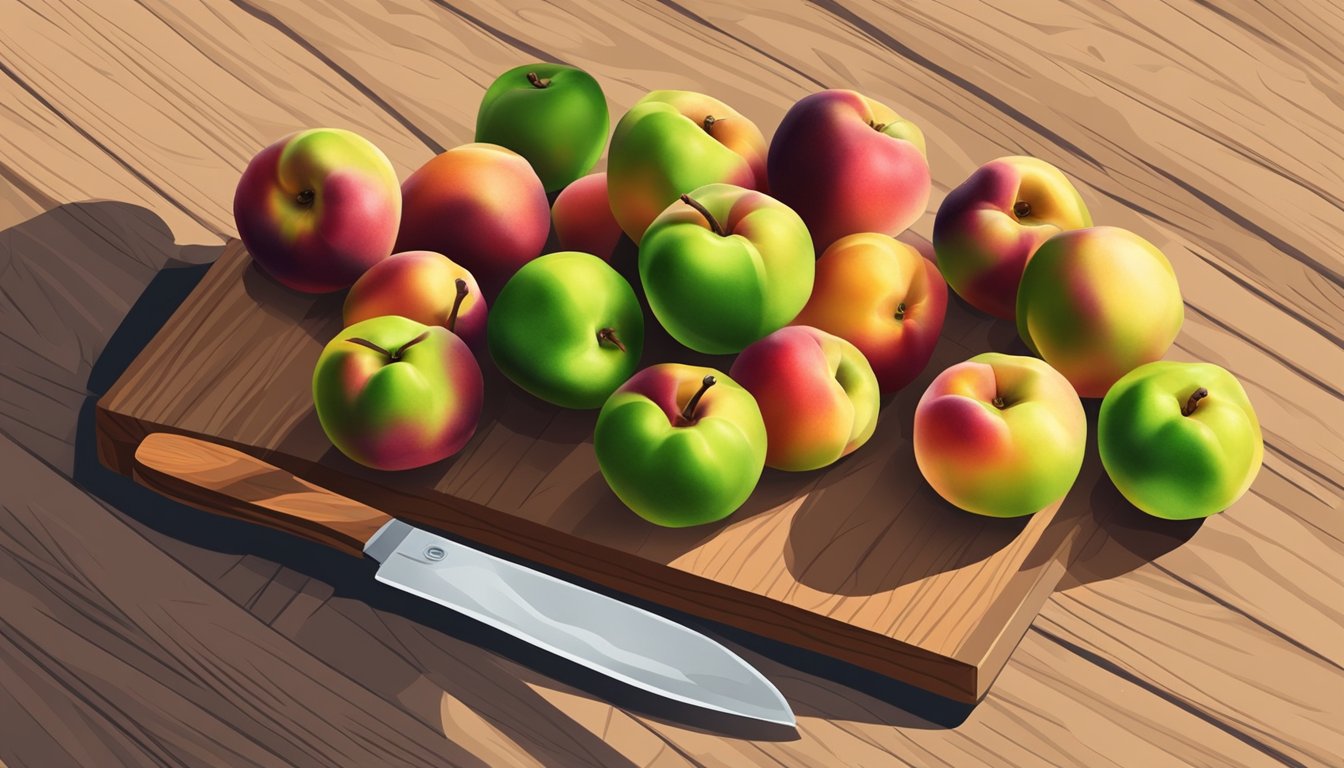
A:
(860, 562)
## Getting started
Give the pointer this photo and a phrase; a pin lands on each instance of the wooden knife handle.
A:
(232, 483)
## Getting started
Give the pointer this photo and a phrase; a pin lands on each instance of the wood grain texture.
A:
(121, 658)
(1249, 119)
(229, 482)
(826, 561)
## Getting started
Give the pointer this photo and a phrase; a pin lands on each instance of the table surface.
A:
(136, 631)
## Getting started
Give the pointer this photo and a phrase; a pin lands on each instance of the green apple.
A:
(681, 445)
(567, 328)
(394, 394)
(725, 266)
(671, 142)
(1179, 440)
(553, 115)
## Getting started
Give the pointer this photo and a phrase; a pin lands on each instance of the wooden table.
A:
(137, 631)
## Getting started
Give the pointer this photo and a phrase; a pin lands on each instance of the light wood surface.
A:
(1212, 131)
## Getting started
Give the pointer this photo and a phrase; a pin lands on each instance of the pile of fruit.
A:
(783, 254)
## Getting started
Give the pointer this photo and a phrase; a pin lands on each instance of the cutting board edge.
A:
(989, 658)
(662, 585)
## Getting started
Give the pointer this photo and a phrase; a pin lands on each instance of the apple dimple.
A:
(657, 386)
(692, 412)
(609, 336)
(973, 380)
(1188, 409)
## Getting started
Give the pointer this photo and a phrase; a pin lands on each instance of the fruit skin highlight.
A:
(1000, 435)
(1180, 440)
(392, 393)
(568, 329)
(1097, 303)
(817, 395)
(848, 164)
(672, 142)
(724, 266)
(552, 114)
(988, 228)
(317, 208)
(884, 297)
(677, 471)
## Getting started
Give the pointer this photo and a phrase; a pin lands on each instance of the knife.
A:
(614, 638)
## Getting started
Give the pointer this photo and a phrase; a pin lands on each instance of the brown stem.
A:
(1193, 402)
(392, 357)
(609, 334)
(457, 303)
(306, 197)
(402, 351)
(709, 217)
(370, 345)
(879, 127)
(688, 413)
(710, 120)
(536, 81)
(900, 311)
(1021, 209)
(999, 403)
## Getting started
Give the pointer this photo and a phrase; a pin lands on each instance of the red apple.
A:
(848, 164)
(817, 394)
(425, 287)
(317, 208)
(480, 205)
(989, 227)
(583, 218)
(884, 297)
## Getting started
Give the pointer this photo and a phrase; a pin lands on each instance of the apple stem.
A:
(999, 403)
(609, 334)
(392, 357)
(1193, 402)
(457, 303)
(306, 197)
(879, 127)
(688, 413)
(900, 311)
(536, 81)
(709, 217)
(370, 345)
(710, 120)
(402, 351)
(1022, 209)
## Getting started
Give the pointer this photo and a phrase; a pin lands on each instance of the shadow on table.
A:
(1114, 536)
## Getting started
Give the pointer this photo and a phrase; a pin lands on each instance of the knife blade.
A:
(614, 638)
(619, 640)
